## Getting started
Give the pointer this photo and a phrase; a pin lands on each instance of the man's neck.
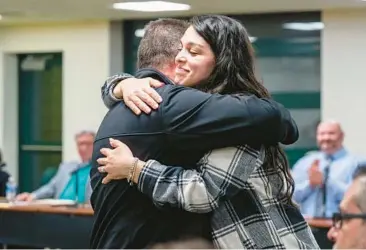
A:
(154, 73)
(169, 72)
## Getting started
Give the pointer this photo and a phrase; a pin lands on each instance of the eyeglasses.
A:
(338, 218)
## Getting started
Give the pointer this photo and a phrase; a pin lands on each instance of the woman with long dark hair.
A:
(247, 188)
(233, 73)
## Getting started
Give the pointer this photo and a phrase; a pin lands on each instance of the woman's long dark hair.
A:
(234, 73)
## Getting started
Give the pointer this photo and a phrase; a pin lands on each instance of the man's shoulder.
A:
(68, 166)
(169, 89)
(353, 160)
(354, 156)
(182, 98)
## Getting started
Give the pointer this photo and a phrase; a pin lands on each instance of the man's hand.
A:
(315, 175)
(138, 94)
(24, 197)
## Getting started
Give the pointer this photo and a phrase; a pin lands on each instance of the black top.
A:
(4, 176)
(187, 124)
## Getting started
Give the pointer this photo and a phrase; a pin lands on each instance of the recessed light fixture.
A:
(304, 26)
(139, 32)
(253, 39)
(151, 6)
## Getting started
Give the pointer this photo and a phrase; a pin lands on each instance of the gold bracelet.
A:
(133, 174)
(132, 171)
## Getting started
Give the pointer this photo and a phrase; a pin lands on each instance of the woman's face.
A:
(195, 62)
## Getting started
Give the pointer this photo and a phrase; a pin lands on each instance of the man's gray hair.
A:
(160, 43)
(84, 132)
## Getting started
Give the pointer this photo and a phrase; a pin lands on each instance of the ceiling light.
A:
(151, 6)
(304, 26)
(139, 32)
(253, 39)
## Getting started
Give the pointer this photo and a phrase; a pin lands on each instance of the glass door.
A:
(40, 116)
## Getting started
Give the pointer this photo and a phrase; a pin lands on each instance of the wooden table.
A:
(41, 226)
(320, 228)
(87, 211)
(320, 223)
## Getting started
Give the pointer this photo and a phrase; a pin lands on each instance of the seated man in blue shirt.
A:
(71, 181)
(322, 177)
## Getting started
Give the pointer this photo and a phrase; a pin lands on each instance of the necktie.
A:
(75, 188)
(329, 161)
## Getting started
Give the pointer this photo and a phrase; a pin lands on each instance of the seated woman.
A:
(4, 176)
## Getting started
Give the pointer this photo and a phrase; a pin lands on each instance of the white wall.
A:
(9, 111)
(86, 64)
(344, 74)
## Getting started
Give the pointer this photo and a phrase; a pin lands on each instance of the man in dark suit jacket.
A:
(187, 124)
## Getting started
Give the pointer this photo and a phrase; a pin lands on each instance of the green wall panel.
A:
(295, 154)
(302, 100)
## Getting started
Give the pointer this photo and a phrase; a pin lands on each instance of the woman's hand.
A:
(117, 162)
(139, 95)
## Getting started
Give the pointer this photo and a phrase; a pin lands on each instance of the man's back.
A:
(125, 218)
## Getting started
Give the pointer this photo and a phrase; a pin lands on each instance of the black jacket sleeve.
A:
(197, 119)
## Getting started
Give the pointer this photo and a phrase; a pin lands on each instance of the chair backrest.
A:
(48, 174)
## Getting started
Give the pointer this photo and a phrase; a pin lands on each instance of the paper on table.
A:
(53, 202)
(47, 202)
(4, 205)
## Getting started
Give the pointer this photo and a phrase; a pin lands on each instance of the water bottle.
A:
(11, 189)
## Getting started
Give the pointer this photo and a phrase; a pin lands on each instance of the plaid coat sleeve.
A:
(107, 89)
(201, 190)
